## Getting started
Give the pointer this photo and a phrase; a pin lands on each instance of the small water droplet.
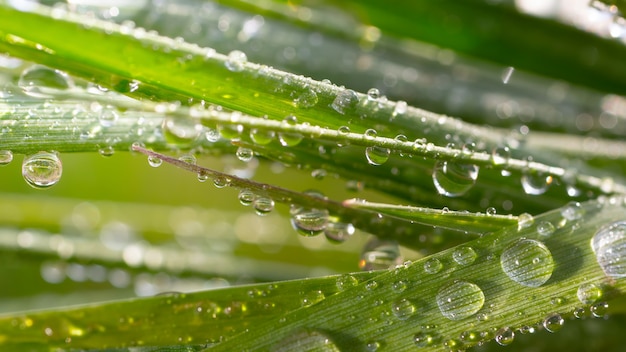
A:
(246, 197)
(505, 336)
(609, 246)
(188, 158)
(372, 346)
(553, 322)
(212, 135)
(491, 211)
(373, 94)
(236, 61)
(572, 211)
(464, 255)
(42, 169)
(43, 82)
(346, 281)
(589, 293)
(6, 156)
(338, 232)
(106, 151)
(371, 286)
(527, 262)
(398, 286)
(154, 161)
(579, 313)
(545, 228)
(536, 184)
(460, 299)
(306, 99)
(306, 340)
(202, 176)
(262, 137)
(177, 131)
(377, 155)
(524, 220)
(312, 297)
(379, 254)
(370, 133)
(433, 266)
(500, 155)
(345, 101)
(308, 221)
(599, 310)
(244, 154)
(422, 339)
(221, 181)
(263, 205)
(288, 139)
(400, 108)
(453, 179)
(403, 309)
(108, 117)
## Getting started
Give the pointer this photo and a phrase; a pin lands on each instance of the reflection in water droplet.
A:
(609, 246)
(345, 101)
(310, 298)
(460, 299)
(528, 262)
(553, 322)
(377, 155)
(221, 181)
(403, 309)
(500, 155)
(505, 336)
(262, 137)
(43, 82)
(372, 346)
(42, 170)
(288, 139)
(379, 254)
(599, 309)
(454, 179)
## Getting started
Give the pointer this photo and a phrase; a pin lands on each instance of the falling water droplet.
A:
(42, 169)
(433, 266)
(377, 155)
(6, 156)
(527, 262)
(454, 179)
(553, 322)
(403, 309)
(236, 60)
(306, 99)
(154, 161)
(246, 197)
(345, 101)
(460, 299)
(589, 293)
(290, 139)
(338, 232)
(43, 82)
(244, 154)
(308, 221)
(505, 336)
(263, 205)
(536, 184)
(464, 255)
(609, 246)
(379, 254)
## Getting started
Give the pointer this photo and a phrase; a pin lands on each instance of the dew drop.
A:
(246, 197)
(372, 346)
(553, 322)
(306, 99)
(202, 176)
(536, 184)
(403, 309)
(212, 135)
(373, 94)
(460, 299)
(236, 60)
(244, 154)
(345, 101)
(338, 232)
(464, 255)
(154, 161)
(221, 181)
(433, 266)
(379, 254)
(454, 179)
(188, 158)
(545, 228)
(377, 155)
(527, 262)
(609, 246)
(306, 340)
(400, 108)
(262, 137)
(398, 286)
(177, 131)
(572, 211)
(43, 82)
(589, 293)
(42, 169)
(312, 298)
(346, 281)
(106, 151)
(6, 156)
(500, 155)
(263, 205)
(491, 211)
(370, 133)
(422, 339)
(525, 220)
(308, 221)
(599, 309)
(108, 117)
(505, 336)
(290, 139)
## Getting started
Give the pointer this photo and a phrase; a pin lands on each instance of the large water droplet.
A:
(42, 169)
(599, 309)
(454, 179)
(536, 184)
(308, 221)
(609, 246)
(377, 155)
(460, 299)
(306, 340)
(244, 154)
(527, 262)
(6, 156)
(338, 232)
(263, 205)
(545, 228)
(246, 197)
(306, 99)
(346, 281)
(403, 309)
(345, 101)
(505, 336)
(290, 139)
(43, 82)
(464, 255)
(589, 293)
(433, 266)
(553, 322)
(236, 60)
(154, 161)
(379, 254)
(177, 131)
(262, 137)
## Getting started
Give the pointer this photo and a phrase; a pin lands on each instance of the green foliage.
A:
(429, 125)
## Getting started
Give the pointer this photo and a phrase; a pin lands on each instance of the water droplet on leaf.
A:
(236, 60)
(244, 154)
(536, 184)
(42, 169)
(527, 262)
(453, 179)
(263, 205)
(154, 161)
(403, 309)
(464, 255)
(553, 322)
(589, 293)
(246, 197)
(377, 155)
(43, 82)
(338, 232)
(505, 336)
(433, 266)
(460, 299)
(379, 254)
(609, 246)
(308, 221)
(345, 101)
(6, 156)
